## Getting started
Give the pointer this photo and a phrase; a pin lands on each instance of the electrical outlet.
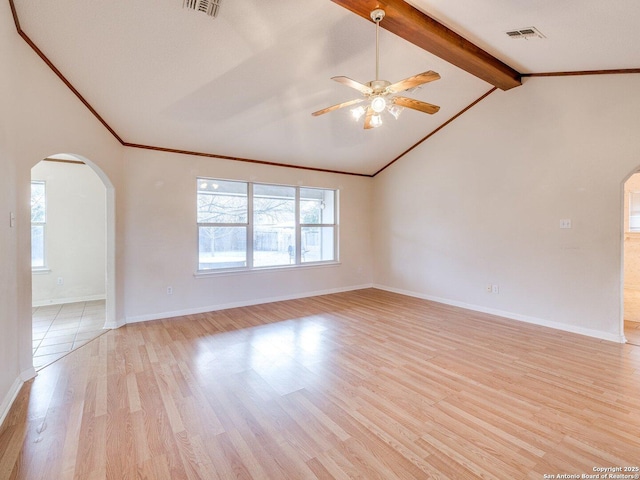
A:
(495, 289)
(60, 281)
(565, 223)
(169, 290)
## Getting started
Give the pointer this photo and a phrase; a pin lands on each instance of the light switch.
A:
(12, 220)
(565, 223)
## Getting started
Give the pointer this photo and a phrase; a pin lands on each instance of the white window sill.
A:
(247, 271)
(40, 271)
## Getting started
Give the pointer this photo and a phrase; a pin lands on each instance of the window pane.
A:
(221, 201)
(222, 247)
(37, 246)
(316, 206)
(634, 211)
(274, 213)
(273, 246)
(274, 205)
(318, 244)
(38, 203)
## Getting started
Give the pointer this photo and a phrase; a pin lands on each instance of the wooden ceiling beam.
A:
(418, 28)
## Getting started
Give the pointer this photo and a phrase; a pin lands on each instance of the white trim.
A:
(115, 324)
(40, 271)
(611, 337)
(12, 394)
(213, 308)
(9, 398)
(60, 301)
(28, 374)
(245, 270)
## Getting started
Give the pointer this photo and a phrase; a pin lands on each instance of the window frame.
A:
(250, 228)
(43, 225)
(634, 212)
(245, 224)
(320, 225)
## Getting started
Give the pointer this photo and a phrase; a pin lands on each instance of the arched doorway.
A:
(631, 259)
(72, 276)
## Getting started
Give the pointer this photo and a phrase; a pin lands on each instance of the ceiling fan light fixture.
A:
(395, 110)
(357, 112)
(378, 104)
(380, 95)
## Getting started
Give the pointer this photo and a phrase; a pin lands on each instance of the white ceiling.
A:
(245, 84)
(580, 35)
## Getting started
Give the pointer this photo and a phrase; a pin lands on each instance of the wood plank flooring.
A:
(632, 332)
(365, 384)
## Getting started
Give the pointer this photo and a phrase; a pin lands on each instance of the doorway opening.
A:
(69, 256)
(631, 259)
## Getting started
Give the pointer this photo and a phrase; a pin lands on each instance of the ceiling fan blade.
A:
(362, 88)
(367, 118)
(414, 81)
(336, 107)
(416, 105)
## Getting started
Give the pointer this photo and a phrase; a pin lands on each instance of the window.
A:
(38, 222)
(317, 224)
(245, 225)
(274, 225)
(222, 224)
(634, 211)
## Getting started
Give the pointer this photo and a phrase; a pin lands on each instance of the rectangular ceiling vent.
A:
(526, 33)
(210, 7)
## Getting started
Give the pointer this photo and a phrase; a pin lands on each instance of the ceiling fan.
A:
(380, 95)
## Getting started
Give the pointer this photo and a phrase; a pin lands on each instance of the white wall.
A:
(9, 356)
(75, 248)
(39, 117)
(10, 367)
(161, 237)
(480, 203)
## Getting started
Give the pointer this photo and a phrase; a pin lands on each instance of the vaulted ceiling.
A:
(243, 85)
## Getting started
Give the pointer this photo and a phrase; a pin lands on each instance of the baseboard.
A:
(248, 303)
(28, 374)
(510, 315)
(114, 325)
(9, 398)
(61, 301)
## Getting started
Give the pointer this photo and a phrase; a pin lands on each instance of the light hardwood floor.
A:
(632, 332)
(365, 384)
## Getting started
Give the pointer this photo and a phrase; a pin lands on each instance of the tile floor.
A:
(59, 329)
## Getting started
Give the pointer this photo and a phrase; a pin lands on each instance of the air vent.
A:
(210, 7)
(526, 33)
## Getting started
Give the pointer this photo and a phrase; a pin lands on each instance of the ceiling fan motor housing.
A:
(377, 15)
(379, 86)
